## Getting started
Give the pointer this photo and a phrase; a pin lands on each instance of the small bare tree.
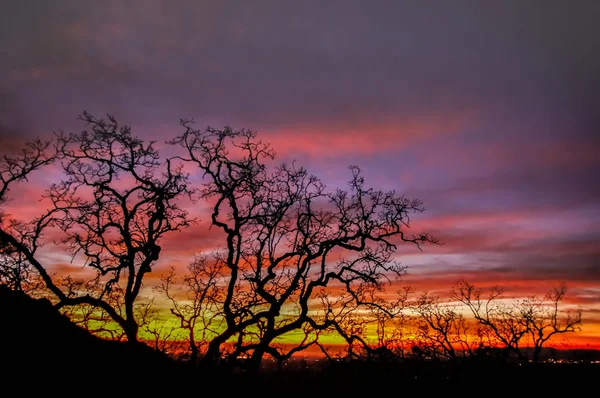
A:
(511, 322)
(499, 317)
(199, 311)
(374, 332)
(545, 319)
(441, 329)
(393, 325)
(156, 330)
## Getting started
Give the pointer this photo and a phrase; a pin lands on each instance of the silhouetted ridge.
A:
(37, 340)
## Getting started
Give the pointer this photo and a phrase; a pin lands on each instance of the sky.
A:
(486, 111)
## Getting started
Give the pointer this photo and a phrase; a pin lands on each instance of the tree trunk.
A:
(194, 354)
(213, 354)
(536, 353)
(131, 331)
(253, 365)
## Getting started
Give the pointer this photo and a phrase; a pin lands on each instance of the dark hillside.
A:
(37, 341)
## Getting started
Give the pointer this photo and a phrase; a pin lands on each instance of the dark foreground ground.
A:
(124, 376)
(43, 354)
(350, 380)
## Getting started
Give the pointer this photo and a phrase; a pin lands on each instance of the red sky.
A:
(485, 112)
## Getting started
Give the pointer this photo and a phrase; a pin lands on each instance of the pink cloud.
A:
(364, 135)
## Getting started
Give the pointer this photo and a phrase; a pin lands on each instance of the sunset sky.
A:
(487, 111)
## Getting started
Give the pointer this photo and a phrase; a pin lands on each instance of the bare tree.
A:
(500, 318)
(156, 330)
(510, 324)
(371, 332)
(442, 330)
(199, 312)
(287, 238)
(117, 200)
(393, 325)
(545, 319)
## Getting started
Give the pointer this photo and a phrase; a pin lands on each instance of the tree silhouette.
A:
(511, 323)
(500, 319)
(442, 330)
(288, 239)
(200, 312)
(116, 200)
(393, 324)
(545, 319)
